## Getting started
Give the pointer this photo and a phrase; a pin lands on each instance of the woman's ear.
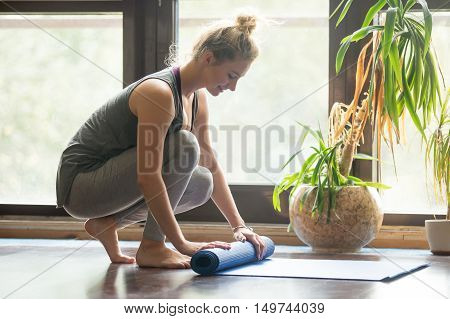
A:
(208, 58)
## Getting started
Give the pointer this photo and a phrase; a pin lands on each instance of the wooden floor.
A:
(32, 268)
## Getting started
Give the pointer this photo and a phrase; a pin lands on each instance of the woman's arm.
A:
(153, 102)
(155, 110)
(221, 195)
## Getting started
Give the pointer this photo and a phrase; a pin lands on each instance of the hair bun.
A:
(246, 23)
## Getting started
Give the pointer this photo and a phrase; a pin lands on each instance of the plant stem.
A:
(345, 164)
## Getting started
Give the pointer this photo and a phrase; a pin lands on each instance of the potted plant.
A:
(402, 76)
(331, 212)
(437, 154)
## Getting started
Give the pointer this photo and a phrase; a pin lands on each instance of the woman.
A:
(146, 154)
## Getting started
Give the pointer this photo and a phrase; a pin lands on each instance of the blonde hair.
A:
(226, 40)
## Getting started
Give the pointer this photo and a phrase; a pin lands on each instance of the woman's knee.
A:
(76, 212)
(204, 183)
(184, 149)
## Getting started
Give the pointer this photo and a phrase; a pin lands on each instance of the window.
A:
(51, 67)
(412, 191)
(39, 111)
(254, 129)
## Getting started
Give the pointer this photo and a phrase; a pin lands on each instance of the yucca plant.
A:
(437, 153)
(402, 75)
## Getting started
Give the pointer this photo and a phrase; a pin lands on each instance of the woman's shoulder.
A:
(160, 82)
(151, 92)
(154, 86)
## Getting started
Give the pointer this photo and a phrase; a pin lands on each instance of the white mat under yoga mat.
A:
(326, 269)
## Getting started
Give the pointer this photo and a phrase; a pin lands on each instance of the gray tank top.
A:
(110, 130)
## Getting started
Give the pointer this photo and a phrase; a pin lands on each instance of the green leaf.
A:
(409, 4)
(335, 175)
(425, 87)
(354, 179)
(410, 106)
(319, 199)
(344, 12)
(373, 184)
(307, 164)
(331, 202)
(394, 57)
(276, 198)
(418, 81)
(362, 33)
(306, 194)
(337, 8)
(290, 228)
(291, 158)
(400, 6)
(373, 11)
(341, 54)
(302, 137)
(372, 75)
(362, 156)
(316, 134)
(428, 24)
(391, 3)
(388, 33)
(390, 102)
(319, 133)
(315, 178)
(309, 130)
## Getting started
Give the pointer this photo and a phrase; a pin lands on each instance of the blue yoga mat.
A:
(209, 261)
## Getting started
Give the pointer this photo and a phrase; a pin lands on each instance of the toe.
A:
(122, 259)
(185, 265)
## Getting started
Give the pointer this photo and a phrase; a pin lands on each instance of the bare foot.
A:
(105, 230)
(156, 254)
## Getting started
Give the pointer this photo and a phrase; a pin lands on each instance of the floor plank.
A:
(32, 268)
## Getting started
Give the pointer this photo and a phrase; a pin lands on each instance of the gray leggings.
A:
(113, 190)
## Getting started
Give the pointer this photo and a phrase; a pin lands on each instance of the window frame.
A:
(149, 28)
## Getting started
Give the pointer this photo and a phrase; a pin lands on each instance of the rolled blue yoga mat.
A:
(209, 261)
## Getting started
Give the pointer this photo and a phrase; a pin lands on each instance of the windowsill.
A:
(66, 227)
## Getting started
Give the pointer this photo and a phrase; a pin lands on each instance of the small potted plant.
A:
(402, 76)
(438, 155)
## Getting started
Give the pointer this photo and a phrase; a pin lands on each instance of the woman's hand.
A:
(243, 234)
(190, 248)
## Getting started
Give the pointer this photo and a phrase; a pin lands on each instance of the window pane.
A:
(412, 191)
(254, 129)
(55, 71)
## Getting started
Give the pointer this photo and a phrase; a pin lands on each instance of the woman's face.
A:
(224, 75)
